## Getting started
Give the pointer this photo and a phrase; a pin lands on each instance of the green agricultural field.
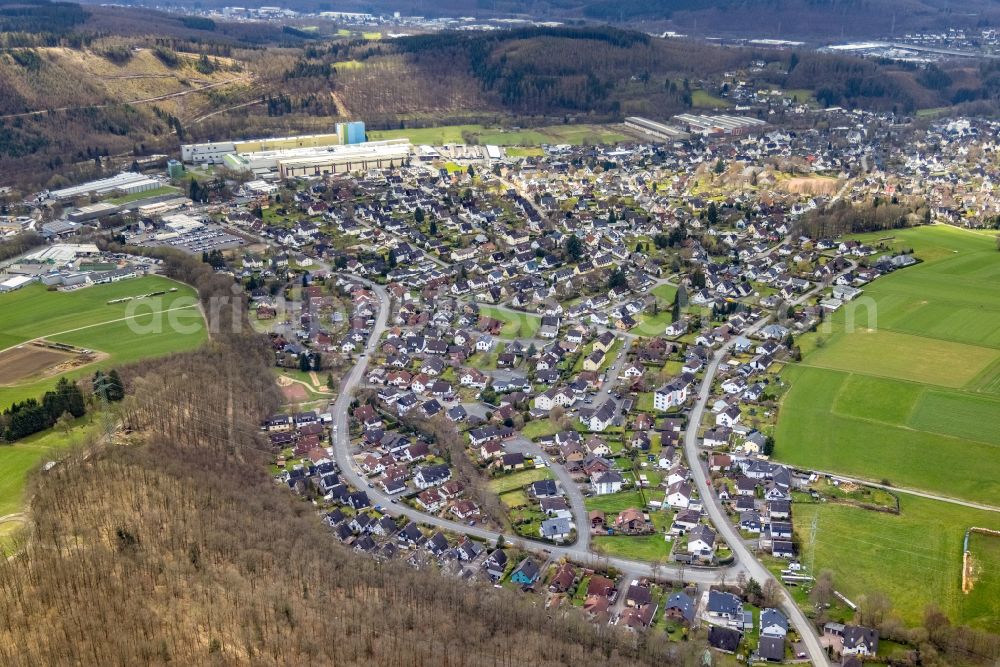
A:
(910, 394)
(915, 558)
(437, 136)
(907, 387)
(516, 325)
(125, 331)
(553, 134)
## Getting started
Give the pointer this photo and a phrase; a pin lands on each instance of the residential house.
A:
(680, 607)
(526, 573)
(607, 482)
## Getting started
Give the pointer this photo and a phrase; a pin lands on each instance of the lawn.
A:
(85, 318)
(518, 479)
(613, 503)
(516, 325)
(911, 391)
(915, 557)
(536, 428)
(665, 293)
(651, 324)
(645, 547)
(20, 458)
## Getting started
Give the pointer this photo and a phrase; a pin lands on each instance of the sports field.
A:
(915, 558)
(118, 333)
(911, 391)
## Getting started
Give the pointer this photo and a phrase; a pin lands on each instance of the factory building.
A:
(126, 183)
(720, 124)
(215, 152)
(655, 129)
(351, 133)
(322, 161)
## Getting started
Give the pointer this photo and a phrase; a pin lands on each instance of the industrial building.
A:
(352, 132)
(215, 152)
(125, 183)
(322, 161)
(93, 212)
(655, 129)
(720, 124)
(181, 223)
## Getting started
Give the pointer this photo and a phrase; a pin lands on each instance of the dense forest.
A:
(172, 545)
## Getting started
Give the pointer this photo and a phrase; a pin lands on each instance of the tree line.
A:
(30, 416)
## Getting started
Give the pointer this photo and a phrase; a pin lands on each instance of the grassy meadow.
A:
(911, 392)
(915, 557)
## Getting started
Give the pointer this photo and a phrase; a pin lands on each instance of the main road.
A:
(745, 562)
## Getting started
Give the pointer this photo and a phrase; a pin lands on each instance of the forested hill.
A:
(609, 73)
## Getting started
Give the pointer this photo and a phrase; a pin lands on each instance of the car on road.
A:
(393, 501)
(370, 485)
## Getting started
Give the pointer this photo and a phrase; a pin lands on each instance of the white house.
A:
(606, 482)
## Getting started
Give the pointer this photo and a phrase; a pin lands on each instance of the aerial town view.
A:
(508, 333)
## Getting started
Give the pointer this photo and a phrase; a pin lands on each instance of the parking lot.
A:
(206, 239)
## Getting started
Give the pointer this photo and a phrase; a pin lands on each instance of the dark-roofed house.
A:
(859, 640)
(773, 623)
(680, 607)
(434, 475)
(724, 639)
(496, 564)
(526, 573)
(543, 488)
(723, 606)
(771, 649)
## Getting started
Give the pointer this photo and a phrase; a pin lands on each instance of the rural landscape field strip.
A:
(904, 407)
(909, 397)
